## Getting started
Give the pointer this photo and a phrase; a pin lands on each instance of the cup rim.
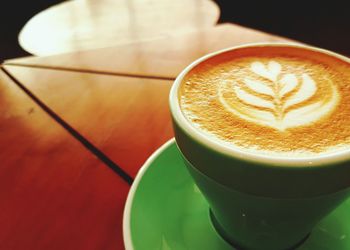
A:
(236, 152)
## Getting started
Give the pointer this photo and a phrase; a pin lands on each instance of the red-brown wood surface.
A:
(164, 57)
(54, 193)
(125, 117)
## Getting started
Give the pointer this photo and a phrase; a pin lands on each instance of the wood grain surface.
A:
(159, 57)
(127, 118)
(54, 193)
(88, 24)
(103, 112)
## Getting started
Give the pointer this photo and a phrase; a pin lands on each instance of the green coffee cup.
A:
(260, 202)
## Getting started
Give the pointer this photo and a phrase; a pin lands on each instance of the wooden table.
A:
(75, 128)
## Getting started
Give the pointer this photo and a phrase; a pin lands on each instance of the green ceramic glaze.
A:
(260, 201)
(168, 212)
(258, 174)
(262, 179)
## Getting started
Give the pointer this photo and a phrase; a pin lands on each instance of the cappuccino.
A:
(286, 101)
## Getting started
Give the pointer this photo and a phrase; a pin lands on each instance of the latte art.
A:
(277, 100)
(274, 100)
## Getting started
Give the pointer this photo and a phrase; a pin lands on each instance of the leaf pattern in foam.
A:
(270, 72)
(244, 111)
(288, 83)
(253, 100)
(259, 87)
(307, 89)
(280, 111)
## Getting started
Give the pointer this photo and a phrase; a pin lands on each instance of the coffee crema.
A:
(275, 99)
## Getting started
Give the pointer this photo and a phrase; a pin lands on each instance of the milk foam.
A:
(275, 109)
(281, 101)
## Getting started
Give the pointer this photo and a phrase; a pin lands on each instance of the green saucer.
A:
(165, 210)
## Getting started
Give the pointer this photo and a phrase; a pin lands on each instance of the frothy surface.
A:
(281, 100)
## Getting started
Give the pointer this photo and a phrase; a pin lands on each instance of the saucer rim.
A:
(128, 244)
(126, 223)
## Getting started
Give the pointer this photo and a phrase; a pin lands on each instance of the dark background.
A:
(321, 23)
